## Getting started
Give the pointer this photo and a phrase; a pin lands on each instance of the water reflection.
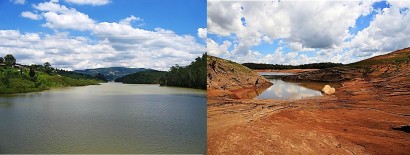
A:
(250, 93)
(105, 119)
(287, 91)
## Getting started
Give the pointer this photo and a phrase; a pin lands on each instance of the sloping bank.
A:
(230, 79)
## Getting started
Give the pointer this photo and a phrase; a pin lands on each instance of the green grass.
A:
(13, 81)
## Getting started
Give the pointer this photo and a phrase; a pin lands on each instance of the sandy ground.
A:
(357, 119)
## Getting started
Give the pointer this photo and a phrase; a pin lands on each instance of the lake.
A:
(107, 118)
(284, 90)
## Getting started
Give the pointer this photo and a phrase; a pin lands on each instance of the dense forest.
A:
(191, 76)
(16, 78)
(321, 65)
(143, 77)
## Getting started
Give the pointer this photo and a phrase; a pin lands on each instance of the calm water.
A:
(110, 118)
(289, 90)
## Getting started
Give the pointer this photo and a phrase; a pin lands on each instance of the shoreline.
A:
(294, 71)
(345, 122)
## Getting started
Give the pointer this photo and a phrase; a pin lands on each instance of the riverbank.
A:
(368, 114)
(358, 119)
(13, 80)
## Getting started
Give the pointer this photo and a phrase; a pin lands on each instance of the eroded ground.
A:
(358, 119)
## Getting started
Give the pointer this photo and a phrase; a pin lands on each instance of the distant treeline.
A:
(191, 76)
(321, 65)
(16, 78)
(143, 77)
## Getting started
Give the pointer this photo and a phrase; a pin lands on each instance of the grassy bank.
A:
(19, 80)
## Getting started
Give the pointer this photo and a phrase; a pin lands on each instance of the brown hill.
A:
(228, 79)
(390, 65)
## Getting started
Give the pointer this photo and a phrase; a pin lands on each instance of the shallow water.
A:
(287, 91)
(284, 90)
(109, 118)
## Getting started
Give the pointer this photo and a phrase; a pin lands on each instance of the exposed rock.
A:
(328, 90)
(227, 77)
(336, 74)
(368, 115)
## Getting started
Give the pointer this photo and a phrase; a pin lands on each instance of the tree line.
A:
(191, 76)
(321, 65)
(143, 77)
(17, 78)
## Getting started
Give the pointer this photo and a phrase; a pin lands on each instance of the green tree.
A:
(10, 60)
(101, 77)
(47, 68)
(1, 60)
(32, 74)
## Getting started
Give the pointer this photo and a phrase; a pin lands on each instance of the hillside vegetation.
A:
(191, 76)
(143, 77)
(16, 78)
(321, 65)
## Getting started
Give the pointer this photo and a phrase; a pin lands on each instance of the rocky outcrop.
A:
(335, 74)
(328, 90)
(225, 77)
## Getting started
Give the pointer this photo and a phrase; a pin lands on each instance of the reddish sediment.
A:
(362, 117)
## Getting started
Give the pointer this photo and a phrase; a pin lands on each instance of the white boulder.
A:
(328, 90)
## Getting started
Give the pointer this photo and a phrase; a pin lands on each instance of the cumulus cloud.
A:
(89, 2)
(60, 17)
(202, 33)
(30, 15)
(112, 43)
(389, 31)
(213, 48)
(319, 27)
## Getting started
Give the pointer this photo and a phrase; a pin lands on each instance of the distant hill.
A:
(392, 65)
(321, 65)
(144, 77)
(111, 73)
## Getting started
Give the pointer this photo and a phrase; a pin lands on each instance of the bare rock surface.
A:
(328, 90)
(369, 114)
(228, 79)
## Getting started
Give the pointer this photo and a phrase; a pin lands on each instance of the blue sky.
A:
(163, 32)
(300, 32)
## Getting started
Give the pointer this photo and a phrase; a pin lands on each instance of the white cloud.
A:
(217, 50)
(60, 17)
(89, 2)
(128, 20)
(318, 27)
(114, 43)
(30, 15)
(18, 1)
(202, 33)
(389, 31)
